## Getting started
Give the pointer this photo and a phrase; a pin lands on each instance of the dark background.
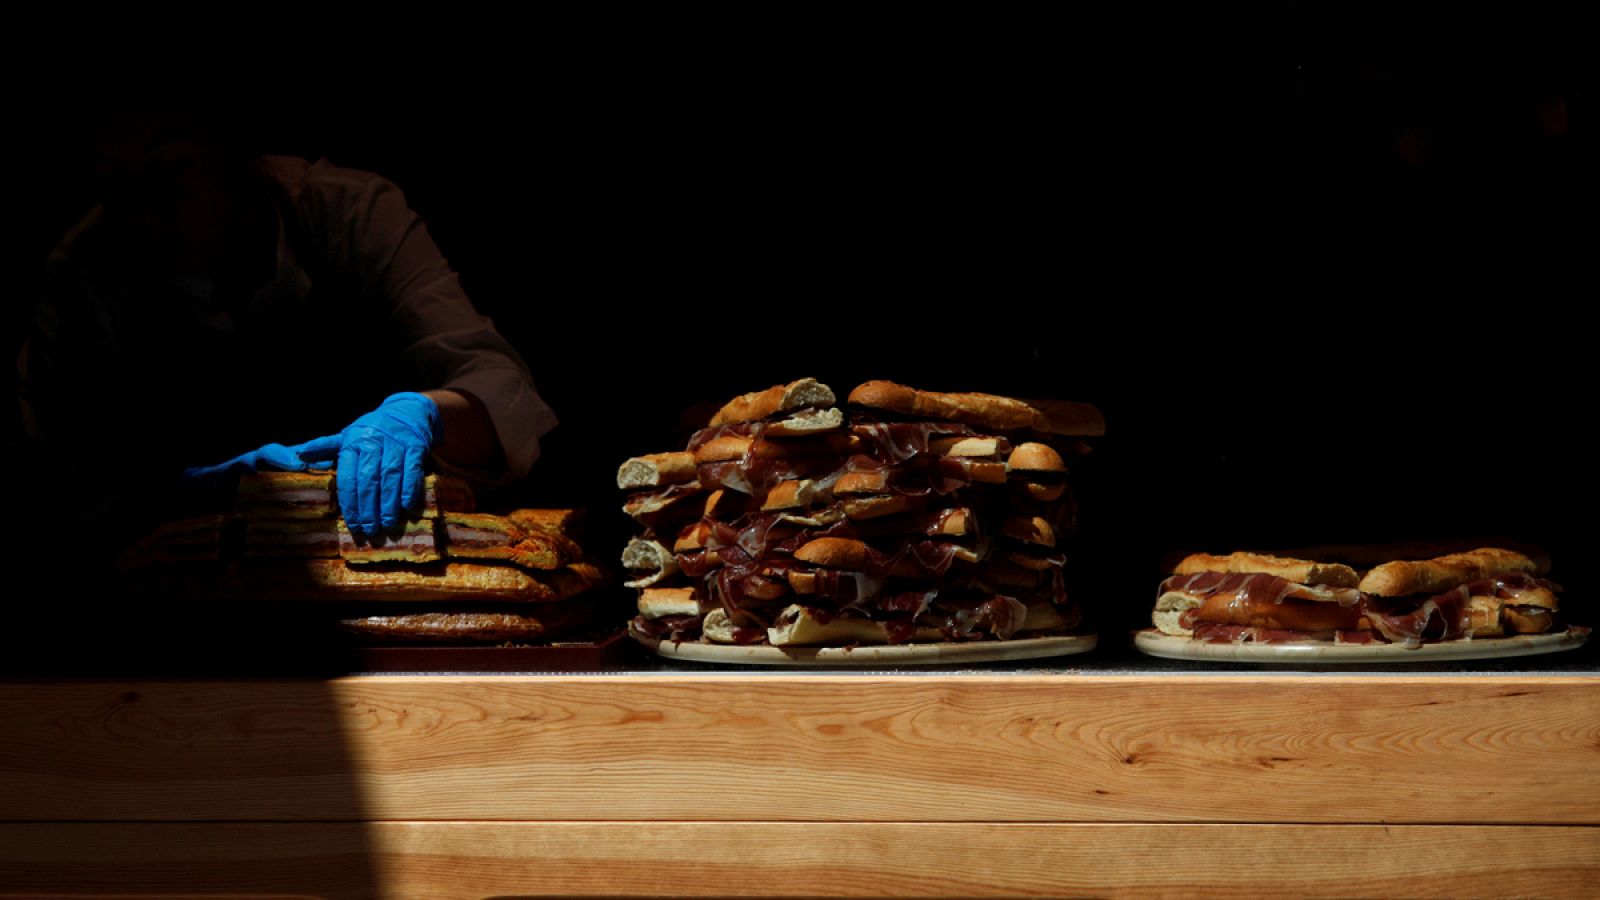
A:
(1323, 266)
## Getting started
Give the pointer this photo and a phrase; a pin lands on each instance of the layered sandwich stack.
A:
(907, 516)
(450, 575)
(1255, 598)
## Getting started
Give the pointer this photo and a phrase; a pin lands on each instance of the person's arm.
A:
(442, 338)
(467, 438)
(479, 417)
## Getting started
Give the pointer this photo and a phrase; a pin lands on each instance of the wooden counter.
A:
(764, 784)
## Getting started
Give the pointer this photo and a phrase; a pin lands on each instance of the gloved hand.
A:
(380, 461)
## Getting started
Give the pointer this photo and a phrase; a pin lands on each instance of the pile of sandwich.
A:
(449, 575)
(907, 516)
(1489, 592)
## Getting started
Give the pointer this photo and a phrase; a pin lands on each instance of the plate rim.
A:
(1170, 646)
(997, 651)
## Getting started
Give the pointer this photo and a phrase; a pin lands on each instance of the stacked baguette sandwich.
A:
(449, 575)
(904, 516)
(1255, 598)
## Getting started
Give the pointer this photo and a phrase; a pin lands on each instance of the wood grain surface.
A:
(1315, 748)
(439, 860)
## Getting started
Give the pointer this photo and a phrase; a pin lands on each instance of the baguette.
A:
(656, 470)
(1397, 579)
(1300, 571)
(985, 410)
(778, 398)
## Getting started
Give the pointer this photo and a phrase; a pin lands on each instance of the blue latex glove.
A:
(380, 459)
(314, 454)
(380, 462)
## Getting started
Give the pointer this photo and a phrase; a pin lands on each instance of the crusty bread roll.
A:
(965, 446)
(724, 448)
(656, 602)
(985, 471)
(806, 423)
(986, 410)
(866, 481)
(653, 561)
(795, 494)
(1365, 556)
(778, 398)
(1397, 579)
(656, 470)
(1300, 571)
(1170, 607)
(1033, 457)
(835, 553)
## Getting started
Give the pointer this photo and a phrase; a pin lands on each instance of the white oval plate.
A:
(880, 654)
(1175, 647)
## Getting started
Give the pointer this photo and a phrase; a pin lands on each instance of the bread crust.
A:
(1300, 571)
(567, 523)
(835, 553)
(975, 447)
(1032, 456)
(331, 579)
(653, 561)
(778, 398)
(543, 550)
(1366, 556)
(723, 449)
(807, 423)
(986, 410)
(865, 481)
(1402, 577)
(795, 494)
(656, 469)
(477, 627)
(417, 542)
(1170, 607)
(656, 602)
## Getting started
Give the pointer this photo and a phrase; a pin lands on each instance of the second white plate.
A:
(1175, 647)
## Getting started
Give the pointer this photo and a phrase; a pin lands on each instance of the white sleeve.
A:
(444, 339)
